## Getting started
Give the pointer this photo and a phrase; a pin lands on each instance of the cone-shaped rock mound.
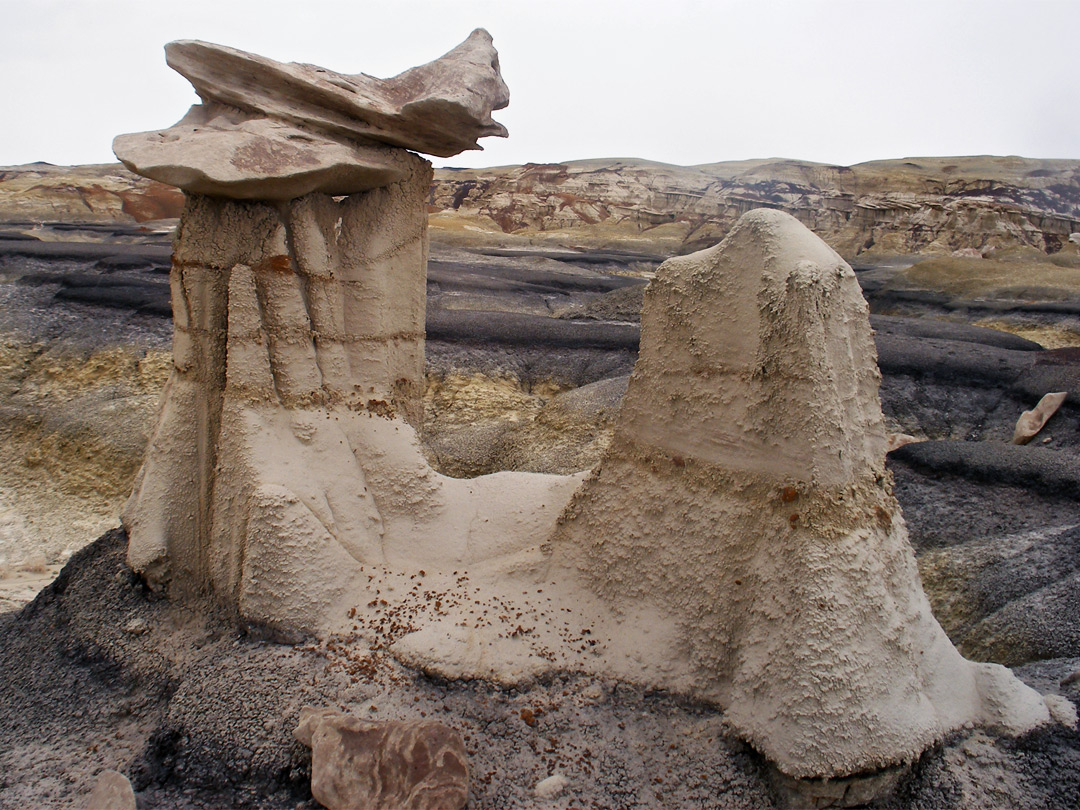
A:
(745, 498)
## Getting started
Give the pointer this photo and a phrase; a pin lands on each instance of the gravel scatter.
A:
(199, 713)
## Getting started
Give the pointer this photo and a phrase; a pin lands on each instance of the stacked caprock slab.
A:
(739, 542)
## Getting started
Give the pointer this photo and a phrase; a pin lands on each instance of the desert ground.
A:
(534, 291)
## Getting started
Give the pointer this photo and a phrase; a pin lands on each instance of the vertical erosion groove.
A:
(301, 276)
(213, 361)
(269, 329)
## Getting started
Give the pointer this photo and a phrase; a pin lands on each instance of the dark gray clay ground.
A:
(198, 712)
(101, 673)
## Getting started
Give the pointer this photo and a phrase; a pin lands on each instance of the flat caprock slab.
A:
(440, 108)
(275, 131)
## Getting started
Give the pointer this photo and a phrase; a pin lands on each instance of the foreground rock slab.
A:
(420, 765)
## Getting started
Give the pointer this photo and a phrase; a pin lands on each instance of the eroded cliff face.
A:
(921, 205)
(41, 192)
(868, 211)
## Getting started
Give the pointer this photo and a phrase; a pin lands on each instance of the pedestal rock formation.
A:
(286, 452)
(739, 541)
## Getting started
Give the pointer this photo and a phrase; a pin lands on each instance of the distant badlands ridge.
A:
(869, 211)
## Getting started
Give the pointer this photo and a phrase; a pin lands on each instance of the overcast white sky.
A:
(680, 81)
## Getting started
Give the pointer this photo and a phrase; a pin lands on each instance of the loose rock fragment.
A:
(552, 787)
(1031, 422)
(112, 792)
(137, 626)
(418, 765)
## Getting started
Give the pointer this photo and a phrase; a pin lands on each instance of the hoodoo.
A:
(286, 455)
(745, 499)
(742, 521)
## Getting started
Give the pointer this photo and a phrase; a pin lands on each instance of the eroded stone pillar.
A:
(745, 511)
(291, 305)
(286, 456)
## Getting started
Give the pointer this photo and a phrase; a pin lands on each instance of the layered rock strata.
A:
(866, 212)
(877, 209)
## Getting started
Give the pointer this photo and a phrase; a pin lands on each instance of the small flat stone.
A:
(417, 765)
(136, 627)
(112, 791)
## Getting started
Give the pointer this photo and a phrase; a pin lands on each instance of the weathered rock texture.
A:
(741, 519)
(418, 765)
(285, 456)
(273, 131)
(745, 503)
